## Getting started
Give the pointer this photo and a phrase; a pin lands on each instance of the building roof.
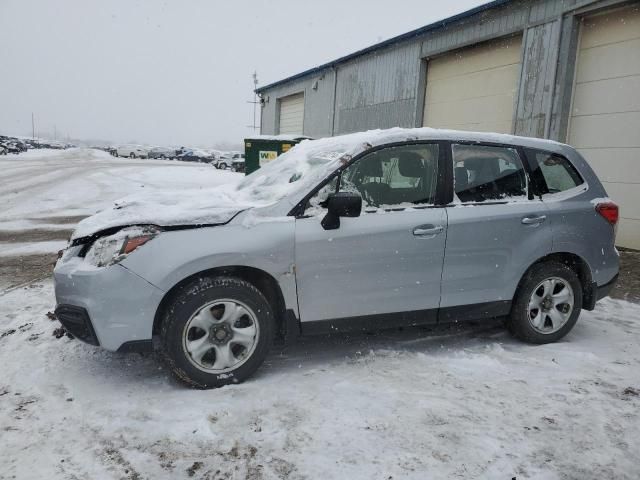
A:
(389, 42)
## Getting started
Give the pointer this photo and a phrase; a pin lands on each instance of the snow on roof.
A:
(283, 137)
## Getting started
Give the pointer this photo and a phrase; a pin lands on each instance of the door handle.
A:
(534, 220)
(424, 230)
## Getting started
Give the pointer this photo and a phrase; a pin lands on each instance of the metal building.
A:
(568, 70)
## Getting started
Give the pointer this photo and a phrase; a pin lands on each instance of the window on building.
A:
(487, 173)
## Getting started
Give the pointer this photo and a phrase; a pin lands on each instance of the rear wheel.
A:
(547, 304)
(132, 155)
(216, 331)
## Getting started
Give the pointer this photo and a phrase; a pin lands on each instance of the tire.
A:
(191, 352)
(222, 166)
(132, 155)
(538, 316)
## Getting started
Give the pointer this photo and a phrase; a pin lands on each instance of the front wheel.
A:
(547, 304)
(216, 331)
(132, 155)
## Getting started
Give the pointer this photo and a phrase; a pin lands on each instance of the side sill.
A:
(462, 313)
(366, 323)
(476, 311)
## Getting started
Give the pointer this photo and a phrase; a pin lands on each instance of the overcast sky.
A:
(174, 71)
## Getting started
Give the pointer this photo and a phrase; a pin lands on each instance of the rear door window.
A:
(488, 173)
(555, 172)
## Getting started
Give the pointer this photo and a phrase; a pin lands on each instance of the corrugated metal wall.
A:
(378, 91)
(385, 88)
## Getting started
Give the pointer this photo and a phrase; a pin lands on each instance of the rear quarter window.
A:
(555, 173)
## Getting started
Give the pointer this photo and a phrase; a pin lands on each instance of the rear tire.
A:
(546, 305)
(132, 155)
(216, 331)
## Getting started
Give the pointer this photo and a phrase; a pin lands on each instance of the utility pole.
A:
(255, 101)
(55, 133)
(33, 127)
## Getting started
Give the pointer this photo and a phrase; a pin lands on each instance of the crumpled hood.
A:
(205, 206)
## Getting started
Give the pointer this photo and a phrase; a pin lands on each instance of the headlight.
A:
(114, 248)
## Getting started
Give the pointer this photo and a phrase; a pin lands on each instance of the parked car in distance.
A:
(237, 162)
(223, 161)
(162, 152)
(196, 155)
(131, 151)
(13, 147)
(347, 233)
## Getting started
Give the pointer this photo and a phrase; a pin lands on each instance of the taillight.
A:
(609, 211)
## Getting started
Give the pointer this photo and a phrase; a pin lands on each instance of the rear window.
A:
(556, 171)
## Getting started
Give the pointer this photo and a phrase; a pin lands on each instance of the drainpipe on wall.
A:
(333, 108)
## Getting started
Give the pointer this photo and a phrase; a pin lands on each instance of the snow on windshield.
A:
(304, 165)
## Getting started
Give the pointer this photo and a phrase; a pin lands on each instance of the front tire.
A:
(216, 331)
(132, 155)
(547, 304)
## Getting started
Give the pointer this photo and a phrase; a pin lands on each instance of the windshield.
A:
(302, 167)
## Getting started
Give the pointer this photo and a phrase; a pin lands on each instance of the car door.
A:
(496, 230)
(385, 265)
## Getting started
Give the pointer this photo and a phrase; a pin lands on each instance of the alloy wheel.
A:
(550, 305)
(221, 336)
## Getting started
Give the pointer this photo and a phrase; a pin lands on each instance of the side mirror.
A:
(341, 204)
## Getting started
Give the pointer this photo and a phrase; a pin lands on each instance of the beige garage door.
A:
(292, 114)
(605, 115)
(474, 88)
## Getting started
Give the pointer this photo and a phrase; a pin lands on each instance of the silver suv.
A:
(370, 230)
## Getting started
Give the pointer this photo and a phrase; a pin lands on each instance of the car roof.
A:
(355, 143)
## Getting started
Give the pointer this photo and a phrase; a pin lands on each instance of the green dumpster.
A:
(262, 149)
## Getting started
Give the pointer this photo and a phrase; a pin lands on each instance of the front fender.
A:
(175, 255)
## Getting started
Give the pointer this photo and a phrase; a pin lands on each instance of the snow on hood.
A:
(291, 176)
(298, 169)
(166, 208)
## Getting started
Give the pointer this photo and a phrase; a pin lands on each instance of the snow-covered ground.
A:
(469, 403)
(45, 193)
(444, 403)
(41, 185)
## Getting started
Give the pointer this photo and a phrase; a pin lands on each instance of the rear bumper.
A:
(604, 290)
(595, 293)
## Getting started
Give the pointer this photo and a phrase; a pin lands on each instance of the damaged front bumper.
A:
(110, 306)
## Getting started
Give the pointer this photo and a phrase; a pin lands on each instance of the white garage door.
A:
(605, 115)
(474, 88)
(292, 114)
